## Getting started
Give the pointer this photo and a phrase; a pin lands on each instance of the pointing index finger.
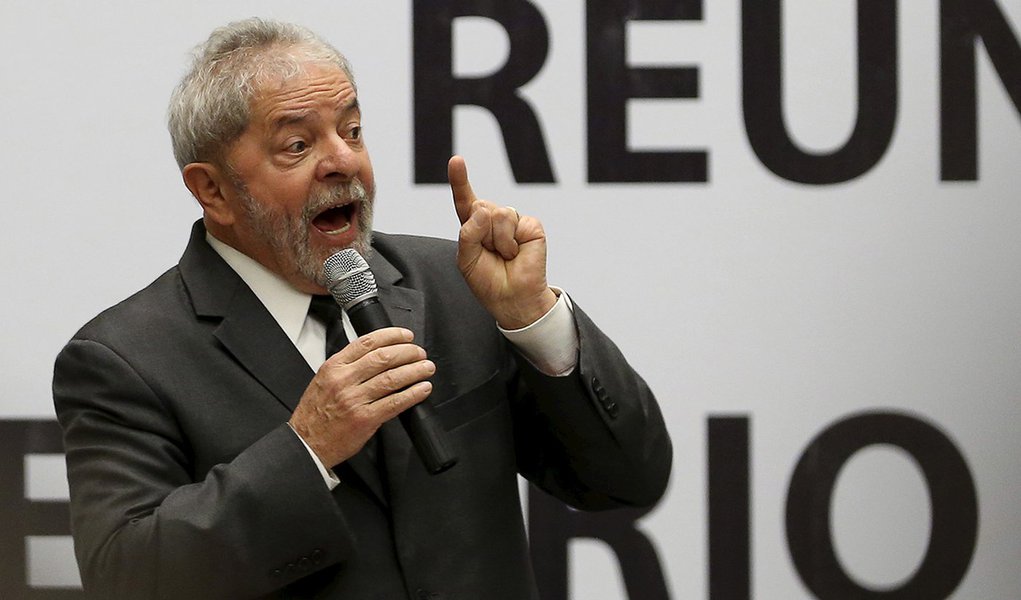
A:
(460, 188)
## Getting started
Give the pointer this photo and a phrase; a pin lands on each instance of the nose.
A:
(339, 161)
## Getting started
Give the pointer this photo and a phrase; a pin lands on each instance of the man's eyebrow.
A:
(290, 118)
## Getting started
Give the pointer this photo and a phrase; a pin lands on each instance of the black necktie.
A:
(327, 312)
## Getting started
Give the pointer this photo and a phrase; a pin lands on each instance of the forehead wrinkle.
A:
(294, 105)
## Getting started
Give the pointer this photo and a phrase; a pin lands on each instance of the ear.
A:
(213, 190)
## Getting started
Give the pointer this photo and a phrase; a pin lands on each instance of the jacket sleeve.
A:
(145, 528)
(595, 438)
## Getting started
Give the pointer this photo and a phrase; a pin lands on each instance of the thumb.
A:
(460, 188)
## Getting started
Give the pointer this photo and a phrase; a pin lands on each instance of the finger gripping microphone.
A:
(353, 286)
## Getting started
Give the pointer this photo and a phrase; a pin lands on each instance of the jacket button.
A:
(317, 556)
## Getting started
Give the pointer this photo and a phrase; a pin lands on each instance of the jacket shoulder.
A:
(151, 309)
(404, 247)
(421, 260)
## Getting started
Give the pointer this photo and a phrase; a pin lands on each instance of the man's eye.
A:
(355, 133)
(297, 147)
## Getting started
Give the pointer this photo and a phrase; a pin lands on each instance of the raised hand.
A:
(501, 254)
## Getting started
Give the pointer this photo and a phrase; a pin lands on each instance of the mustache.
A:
(345, 193)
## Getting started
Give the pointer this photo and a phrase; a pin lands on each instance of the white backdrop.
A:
(793, 305)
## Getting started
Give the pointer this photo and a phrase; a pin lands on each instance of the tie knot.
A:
(325, 309)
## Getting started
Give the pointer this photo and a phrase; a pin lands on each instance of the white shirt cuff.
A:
(551, 343)
(329, 478)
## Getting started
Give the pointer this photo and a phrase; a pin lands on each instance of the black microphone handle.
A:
(420, 421)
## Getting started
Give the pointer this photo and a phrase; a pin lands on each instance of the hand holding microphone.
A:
(370, 381)
(353, 286)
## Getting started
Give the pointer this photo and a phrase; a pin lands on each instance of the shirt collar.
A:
(288, 306)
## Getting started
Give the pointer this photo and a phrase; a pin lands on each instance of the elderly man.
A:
(217, 448)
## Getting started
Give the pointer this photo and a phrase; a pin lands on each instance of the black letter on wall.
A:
(962, 23)
(729, 502)
(437, 92)
(951, 490)
(763, 91)
(22, 517)
(551, 524)
(611, 83)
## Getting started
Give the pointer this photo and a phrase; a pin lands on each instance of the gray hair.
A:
(211, 106)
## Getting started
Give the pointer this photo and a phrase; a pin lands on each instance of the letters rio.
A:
(953, 530)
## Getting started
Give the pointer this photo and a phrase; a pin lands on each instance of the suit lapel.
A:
(246, 330)
(257, 342)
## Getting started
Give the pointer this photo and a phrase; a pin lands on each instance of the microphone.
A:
(353, 286)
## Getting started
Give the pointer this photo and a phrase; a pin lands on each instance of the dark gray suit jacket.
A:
(186, 481)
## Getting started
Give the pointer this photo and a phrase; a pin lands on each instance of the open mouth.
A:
(335, 220)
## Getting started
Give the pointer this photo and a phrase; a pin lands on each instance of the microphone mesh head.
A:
(348, 278)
